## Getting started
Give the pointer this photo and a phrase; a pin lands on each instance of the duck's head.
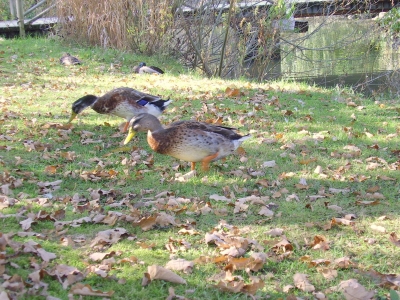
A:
(141, 64)
(140, 123)
(81, 104)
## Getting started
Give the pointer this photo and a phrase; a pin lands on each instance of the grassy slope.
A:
(36, 91)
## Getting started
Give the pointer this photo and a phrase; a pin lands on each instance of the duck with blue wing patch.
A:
(142, 68)
(123, 102)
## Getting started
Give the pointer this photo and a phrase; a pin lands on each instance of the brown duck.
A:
(123, 102)
(68, 60)
(187, 140)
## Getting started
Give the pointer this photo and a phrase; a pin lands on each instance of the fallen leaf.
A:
(394, 240)
(158, 272)
(275, 232)
(46, 256)
(343, 262)
(266, 212)
(232, 287)
(366, 203)
(302, 283)
(353, 290)
(320, 242)
(378, 228)
(328, 273)
(256, 284)
(180, 265)
(86, 290)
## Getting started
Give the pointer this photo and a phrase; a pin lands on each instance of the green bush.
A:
(391, 22)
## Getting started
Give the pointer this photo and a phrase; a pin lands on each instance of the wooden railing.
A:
(17, 11)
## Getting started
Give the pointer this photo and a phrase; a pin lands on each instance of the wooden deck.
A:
(313, 8)
(342, 7)
(9, 27)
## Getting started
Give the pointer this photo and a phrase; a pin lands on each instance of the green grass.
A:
(284, 119)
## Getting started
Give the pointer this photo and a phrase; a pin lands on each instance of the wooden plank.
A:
(12, 26)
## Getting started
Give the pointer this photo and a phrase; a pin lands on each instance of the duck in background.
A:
(123, 102)
(142, 68)
(69, 60)
(187, 140)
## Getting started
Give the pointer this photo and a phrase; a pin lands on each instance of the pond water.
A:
(338, 51)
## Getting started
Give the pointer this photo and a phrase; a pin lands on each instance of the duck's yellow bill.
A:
(73, 116)
(131, 134)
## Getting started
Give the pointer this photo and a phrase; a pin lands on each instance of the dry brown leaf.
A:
(378, 228)
(26, 224)
(317, 262)
(335, 208)
(302, 283)
(219, 198)
(343, 221)
(283, 246)
(146, 223)
(275, 232)
(373, 189)
(263, 182)
(328, 273)
(146, 280)
(46, 256)
(343, 262)
(239, 263)
(50, 169)
(158, 272)
(353, 290)
(86, 290)
(97, 256)
(232, 92)
(163, 219)
(320, 242)
(394, 240)
(232, 286)
(256, 284)
(287, 288)
(180, 265)
(366, 203)
(145, 245)
(266, 212)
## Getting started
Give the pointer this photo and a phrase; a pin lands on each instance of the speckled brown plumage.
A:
(123, 102)
(188, 140)
(68, 60)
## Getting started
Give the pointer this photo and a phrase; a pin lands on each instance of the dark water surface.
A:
(340, 52)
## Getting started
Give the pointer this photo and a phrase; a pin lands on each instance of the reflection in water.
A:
(340, 52)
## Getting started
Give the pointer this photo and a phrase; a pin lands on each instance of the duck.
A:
(68, 60)
(142, 68)
(123, 102)
(190, 141)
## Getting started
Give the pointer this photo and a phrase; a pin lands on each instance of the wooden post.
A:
(20, 15)
(12, 8)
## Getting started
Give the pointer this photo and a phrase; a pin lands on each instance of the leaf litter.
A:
(350, 186)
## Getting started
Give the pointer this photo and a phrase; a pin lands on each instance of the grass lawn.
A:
(308, 207)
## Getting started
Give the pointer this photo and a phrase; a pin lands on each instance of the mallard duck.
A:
(123, 102)
(187, 140)
(68, 60)
(142, 68)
